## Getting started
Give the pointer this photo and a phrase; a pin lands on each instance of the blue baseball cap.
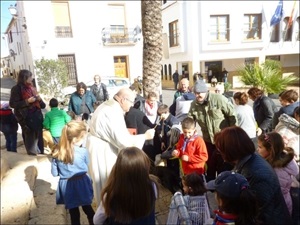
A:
(229, 184)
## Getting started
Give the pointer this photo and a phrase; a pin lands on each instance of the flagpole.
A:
(270, 36)
(290, 21)
(276, 18)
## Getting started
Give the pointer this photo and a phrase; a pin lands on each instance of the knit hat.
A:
(4, 105)
(200, 87)
(229, 184)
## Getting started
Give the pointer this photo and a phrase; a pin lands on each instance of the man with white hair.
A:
(108, 135)
(183, 98)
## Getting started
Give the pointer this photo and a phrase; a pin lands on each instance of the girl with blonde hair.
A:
(70, 162)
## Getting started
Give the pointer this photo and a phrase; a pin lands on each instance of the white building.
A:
(200, 36)
(92, 37)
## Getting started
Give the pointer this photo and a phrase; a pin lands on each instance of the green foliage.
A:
(267, 76)
(52, 77)
(227, 86)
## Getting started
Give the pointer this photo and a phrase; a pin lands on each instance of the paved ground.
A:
(28, 188)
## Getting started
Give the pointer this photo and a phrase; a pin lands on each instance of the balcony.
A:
(63, 32)
(121, 36)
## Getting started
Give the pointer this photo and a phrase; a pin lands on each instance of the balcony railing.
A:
(63, 32)
(123, 36)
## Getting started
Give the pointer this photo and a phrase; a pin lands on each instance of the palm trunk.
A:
(152, 45)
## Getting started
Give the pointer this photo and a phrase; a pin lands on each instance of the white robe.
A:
(108, 135)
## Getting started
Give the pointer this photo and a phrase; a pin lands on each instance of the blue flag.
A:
(276, 18)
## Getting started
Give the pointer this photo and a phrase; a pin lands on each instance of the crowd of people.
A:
(104, 150)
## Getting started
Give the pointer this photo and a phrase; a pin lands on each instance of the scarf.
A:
(151, 110)
(29, 91)
(224, 219)
(187, 140)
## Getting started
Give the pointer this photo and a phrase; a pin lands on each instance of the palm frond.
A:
(267, 76)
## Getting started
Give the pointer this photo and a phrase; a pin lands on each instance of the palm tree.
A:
(152, 46)
(268, 76)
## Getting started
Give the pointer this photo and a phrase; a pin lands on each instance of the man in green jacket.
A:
(213, 112)
(55, 120)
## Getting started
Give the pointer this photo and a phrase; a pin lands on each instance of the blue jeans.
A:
(11, 141)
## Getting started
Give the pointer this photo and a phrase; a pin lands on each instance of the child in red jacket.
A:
(191, 149)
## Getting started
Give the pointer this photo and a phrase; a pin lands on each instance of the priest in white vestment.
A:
(108, 135)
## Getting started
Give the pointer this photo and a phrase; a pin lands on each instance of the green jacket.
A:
(55, 120)
(216, 113)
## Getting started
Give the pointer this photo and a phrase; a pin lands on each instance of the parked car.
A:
(113, 85)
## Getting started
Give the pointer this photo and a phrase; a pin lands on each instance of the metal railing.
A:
(63, 32)
(111, 36)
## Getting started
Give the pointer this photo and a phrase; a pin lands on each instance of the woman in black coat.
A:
(136, 119)
(236, 148)
(264, 109)
(27, 106)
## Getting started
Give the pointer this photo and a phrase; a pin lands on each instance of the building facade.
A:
(92, 37)
(104, 37)
(208, 36)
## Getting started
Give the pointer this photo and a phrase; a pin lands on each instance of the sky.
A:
(5, 19)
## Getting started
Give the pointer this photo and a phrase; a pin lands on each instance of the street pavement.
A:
(28, 188)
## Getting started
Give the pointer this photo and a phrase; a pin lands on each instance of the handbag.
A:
(34, 120)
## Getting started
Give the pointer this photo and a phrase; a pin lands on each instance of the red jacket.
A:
(196, 151)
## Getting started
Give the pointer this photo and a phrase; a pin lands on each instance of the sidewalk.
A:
(29, 188)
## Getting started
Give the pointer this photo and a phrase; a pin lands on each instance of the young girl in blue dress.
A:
(70, 163)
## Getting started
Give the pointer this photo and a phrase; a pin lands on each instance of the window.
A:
(273, 57)
(252, 26)
(10, 37)
(166, 72)
(275, 33)
(117, 20)
(71, 66)
(173, 33)
(62, 20)
(287, 30)
(170, 72)
(219, 28)
(162, 73)
(249, 61)
(120, 64)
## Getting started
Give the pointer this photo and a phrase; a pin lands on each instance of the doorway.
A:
(214, 69)
(120, 64)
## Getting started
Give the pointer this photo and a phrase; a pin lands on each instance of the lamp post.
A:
(13, 11)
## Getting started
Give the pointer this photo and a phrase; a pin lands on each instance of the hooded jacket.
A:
(289, 128)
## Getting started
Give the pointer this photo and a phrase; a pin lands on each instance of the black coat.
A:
(20, 106)
(264, 109)
(135, 118)
(264, 181)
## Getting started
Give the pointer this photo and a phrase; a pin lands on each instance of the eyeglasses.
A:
(129, 100)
